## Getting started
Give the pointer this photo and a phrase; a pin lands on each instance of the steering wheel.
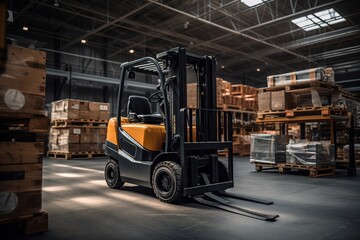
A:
(156, 97)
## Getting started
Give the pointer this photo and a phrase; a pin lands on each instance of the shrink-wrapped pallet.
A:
(312, 153)
(314, 74)
(267, 148)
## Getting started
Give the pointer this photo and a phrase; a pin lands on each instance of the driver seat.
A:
(139, 110)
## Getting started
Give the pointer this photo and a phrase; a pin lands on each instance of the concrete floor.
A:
(81, 206)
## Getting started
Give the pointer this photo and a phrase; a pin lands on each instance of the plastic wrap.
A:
(315, 74)
(267, 148)
(315, 153)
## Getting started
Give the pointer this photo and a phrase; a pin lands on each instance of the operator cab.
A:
(139, 110)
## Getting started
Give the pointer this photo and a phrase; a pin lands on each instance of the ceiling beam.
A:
(104, 26)
(279, 19)
(232, 31)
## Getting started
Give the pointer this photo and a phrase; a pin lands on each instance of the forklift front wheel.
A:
(166, 181)
(112, 174)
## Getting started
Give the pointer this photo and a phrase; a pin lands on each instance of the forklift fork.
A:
(214, 200)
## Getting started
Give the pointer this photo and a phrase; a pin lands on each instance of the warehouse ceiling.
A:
(249, 42)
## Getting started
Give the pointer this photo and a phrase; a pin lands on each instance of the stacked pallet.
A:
(239, 99)
(23, 132)
(299, 97)
(78, 128)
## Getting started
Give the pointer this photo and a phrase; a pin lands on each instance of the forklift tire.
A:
(223, 172)
(166, 181)
(112, 174)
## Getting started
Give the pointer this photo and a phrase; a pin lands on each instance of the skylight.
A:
(318, 20)
(252, 3)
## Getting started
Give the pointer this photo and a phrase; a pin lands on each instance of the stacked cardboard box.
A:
(78, 127)
(74, 109)
(23, 130)
(77, 139)
(242, 101)
(302, 89)
(223, 89)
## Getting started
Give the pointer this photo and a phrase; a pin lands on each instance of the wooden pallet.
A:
(228, 107)
(24, 225)
(78, 123)
(302, 85)
(76, 155)
(314, 171)
(304, 111)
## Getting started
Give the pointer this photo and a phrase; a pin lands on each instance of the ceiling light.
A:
(319, 19)
(222, 67)
(186, 24)
(56, 3)
(252, 3)
(258, 69)
(131, 51)
(25, 28)
(83, 41)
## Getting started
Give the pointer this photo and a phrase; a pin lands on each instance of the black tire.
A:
(112, 174)
(166, 181)
(223, 172)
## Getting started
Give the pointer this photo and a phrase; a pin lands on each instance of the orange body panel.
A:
(151, 137)
(111, 133)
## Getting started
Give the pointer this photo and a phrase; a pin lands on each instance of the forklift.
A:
(174, 152)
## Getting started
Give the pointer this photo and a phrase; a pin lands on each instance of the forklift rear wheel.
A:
(112, 174)
(166, 181)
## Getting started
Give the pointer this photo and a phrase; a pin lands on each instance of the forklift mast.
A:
(176, 62)
(197, 133)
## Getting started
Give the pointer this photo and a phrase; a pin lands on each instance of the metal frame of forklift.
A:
(193, 135)
(190, 150)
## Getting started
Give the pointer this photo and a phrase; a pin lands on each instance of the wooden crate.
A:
(26, 57)
(24, 79)
(21, 152)
(16, 204)
(21, 177)
(22, 85)
(21, 105)
(24, 224)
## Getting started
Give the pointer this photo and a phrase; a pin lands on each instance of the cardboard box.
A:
(65, 109)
